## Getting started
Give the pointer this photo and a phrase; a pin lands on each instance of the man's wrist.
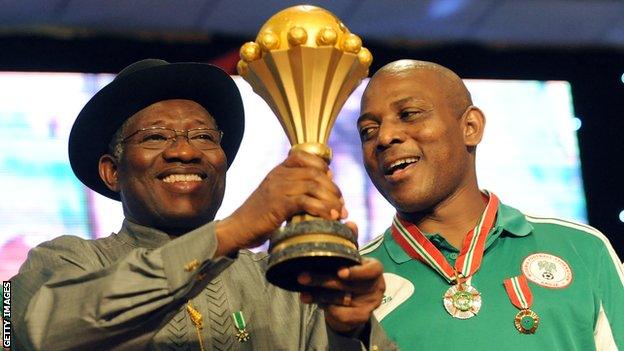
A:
(226, 232)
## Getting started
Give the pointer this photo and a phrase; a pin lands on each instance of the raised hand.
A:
(300, 184)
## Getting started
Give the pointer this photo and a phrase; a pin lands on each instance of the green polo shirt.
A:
(575, 277)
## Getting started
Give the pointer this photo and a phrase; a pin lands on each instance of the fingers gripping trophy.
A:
(305, 63)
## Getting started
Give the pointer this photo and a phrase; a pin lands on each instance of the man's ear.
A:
(473, 125)
(108, 172)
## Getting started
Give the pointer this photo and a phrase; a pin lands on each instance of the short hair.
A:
(459, 96)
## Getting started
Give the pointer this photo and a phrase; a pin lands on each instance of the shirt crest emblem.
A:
(547, 270)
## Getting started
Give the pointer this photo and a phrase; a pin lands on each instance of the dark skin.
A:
(181, 188)
(419, 134)
(139, 174)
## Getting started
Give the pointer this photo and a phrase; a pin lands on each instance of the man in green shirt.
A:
(159, 138)
(464, 271)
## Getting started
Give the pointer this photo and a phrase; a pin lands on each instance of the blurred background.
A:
(549, 75)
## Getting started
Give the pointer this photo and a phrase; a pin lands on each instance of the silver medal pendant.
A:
(463, 301)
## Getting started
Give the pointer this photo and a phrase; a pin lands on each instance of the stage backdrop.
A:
(529, 157)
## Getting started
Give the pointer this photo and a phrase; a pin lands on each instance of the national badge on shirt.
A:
(547, 270)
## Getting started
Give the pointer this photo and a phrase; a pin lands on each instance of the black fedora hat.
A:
(139, 85)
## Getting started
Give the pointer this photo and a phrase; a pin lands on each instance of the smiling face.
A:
(418, 136)
(175, 189)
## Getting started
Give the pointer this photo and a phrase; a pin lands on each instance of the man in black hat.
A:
(160, 138)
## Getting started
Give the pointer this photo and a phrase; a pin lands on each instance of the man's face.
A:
(412, 140)
(180, 187)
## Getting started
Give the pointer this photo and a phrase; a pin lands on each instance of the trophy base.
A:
(317, 246)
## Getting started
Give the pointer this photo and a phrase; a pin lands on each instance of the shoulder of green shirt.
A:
(577, 232)
(572, 230)
(372, 245)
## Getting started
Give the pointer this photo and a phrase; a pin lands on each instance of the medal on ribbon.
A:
(239, 320)
(461, 300)
(526, 321)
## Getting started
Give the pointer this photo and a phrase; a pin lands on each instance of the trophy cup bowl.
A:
(305, 63)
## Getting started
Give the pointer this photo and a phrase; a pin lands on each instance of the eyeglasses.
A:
(159, 138)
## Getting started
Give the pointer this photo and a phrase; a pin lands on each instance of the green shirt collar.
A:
(508, 220)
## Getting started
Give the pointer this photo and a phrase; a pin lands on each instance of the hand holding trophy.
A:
(305, 63)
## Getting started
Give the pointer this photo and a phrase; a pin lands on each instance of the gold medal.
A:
(520, 295)
(526, 321)
(462, 301)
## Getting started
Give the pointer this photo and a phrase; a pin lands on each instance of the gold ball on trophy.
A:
(365, 57)
(250, 51)
(310, 18)
(242, 68)
(268, 41)
(326, 37)
(342, 27)
(351, 43)
(297, 36)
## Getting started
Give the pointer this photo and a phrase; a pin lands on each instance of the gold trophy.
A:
(305, 63)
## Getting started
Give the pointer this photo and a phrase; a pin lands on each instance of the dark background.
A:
(595, 74)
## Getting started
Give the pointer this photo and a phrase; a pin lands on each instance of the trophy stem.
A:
(302, 218)
(318, 149)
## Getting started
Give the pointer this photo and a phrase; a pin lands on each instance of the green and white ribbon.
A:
(239, 321)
